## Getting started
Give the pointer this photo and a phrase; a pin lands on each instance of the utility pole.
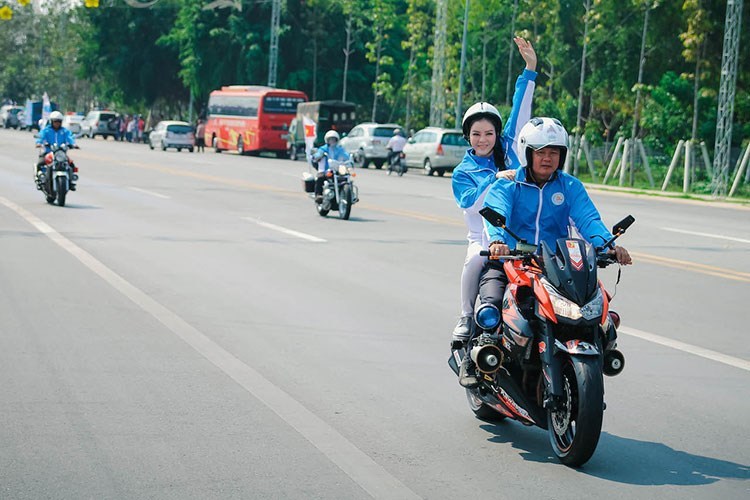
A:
(577, 140)
(273, 52)
(511, 50)
(347, 53)
(437, 96)
(727, 86)
(636, 110)
(464, 42)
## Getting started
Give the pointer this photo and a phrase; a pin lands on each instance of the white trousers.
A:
(473, 266)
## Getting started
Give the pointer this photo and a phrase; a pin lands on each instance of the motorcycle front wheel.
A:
(345, 203)
(62, 190)
(574, 428)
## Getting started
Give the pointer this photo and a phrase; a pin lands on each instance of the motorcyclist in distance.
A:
(54, 133)
(395, 145)
(331, 149)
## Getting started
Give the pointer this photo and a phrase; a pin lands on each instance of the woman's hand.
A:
(508, 175)
(527, 52)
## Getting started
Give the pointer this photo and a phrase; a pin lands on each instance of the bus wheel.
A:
(215, 143)
(240, 147)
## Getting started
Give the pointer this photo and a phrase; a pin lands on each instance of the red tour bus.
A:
(250, 118)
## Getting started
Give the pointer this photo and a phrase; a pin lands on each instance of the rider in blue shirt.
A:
(54, 133)
(331, 149)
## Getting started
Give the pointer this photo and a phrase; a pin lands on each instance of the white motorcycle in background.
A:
(339, 191)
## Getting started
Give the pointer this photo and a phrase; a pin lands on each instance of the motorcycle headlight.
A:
(343, 170)
(60, 157)
(568, 309)
(487, 317)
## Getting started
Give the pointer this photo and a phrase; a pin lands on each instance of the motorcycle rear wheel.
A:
(61, 191)
(481, 410)
(574, 430)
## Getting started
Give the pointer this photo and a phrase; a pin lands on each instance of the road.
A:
(189, 327)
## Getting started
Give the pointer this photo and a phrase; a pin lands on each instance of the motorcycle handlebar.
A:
(603, 259)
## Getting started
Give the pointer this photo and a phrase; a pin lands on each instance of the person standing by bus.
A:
(200, 139)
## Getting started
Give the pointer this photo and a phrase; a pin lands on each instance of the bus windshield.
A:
(281, 104)
(229, 105)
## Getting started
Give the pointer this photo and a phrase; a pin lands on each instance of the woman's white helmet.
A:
(331, 134)
(539, 133)
(55, 116)
(478, 111)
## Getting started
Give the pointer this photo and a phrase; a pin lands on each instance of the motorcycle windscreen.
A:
(571, 269)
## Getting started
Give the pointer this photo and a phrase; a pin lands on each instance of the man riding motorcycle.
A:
(538, 205)
(331, 150)
(54, 133)
(395, 144)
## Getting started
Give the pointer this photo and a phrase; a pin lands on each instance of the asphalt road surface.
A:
(189, 327)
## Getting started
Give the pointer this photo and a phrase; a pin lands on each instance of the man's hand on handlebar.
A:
(621, 255)
(498, 249)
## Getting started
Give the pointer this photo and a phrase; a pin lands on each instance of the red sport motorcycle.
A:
(543, 364)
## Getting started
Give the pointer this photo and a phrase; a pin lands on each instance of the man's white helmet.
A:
(539, 133)
(331, 133)
(481, 110)
(55, 116)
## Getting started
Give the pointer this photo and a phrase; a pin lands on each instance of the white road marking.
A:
(152, 193)
(356, 464)
(284, 230)
(706, 235)
(689, 348)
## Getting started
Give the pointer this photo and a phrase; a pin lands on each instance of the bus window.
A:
(229, 105)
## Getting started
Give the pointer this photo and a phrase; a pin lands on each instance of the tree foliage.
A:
(159, 56)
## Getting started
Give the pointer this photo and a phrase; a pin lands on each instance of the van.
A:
(100, 122)
(328, 115)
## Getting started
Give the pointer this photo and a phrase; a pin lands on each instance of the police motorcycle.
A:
(57, 174)
(339, 190)
(543, 364)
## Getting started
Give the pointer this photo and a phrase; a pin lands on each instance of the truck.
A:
(327, 115)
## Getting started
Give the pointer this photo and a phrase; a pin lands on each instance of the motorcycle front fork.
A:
(551, 368)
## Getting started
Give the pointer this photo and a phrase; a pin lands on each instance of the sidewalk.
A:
(693, 199)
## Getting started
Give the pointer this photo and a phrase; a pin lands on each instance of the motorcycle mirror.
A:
(493, 217)
(623, 225)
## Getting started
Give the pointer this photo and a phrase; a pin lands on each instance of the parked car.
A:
(435, 150)
(100, 122)
(72, 122)
(336, 115)
(172, 134)
(367, 143)
(10, 117)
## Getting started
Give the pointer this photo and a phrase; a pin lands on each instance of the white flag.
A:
(311, 132)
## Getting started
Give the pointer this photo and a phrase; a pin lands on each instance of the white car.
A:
(100, 122)
(367, 143)
(73, 123)
(172, 134)
(436, 150)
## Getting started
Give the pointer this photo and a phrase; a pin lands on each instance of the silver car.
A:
(103, 123)
(367, 143)
(73, 123)
(172, 134)
(435, 150)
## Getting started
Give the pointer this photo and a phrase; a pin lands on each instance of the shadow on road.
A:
(625, 460)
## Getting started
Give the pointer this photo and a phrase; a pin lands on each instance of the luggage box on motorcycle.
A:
(308, 182)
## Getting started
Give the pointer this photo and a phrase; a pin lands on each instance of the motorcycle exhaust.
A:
(487, 358)
(614, 362)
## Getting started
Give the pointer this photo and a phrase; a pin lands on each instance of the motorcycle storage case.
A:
(308, 182)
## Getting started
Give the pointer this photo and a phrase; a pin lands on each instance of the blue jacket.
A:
(474, 174)
(338, 153)
(544, 214)
(52, 136)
